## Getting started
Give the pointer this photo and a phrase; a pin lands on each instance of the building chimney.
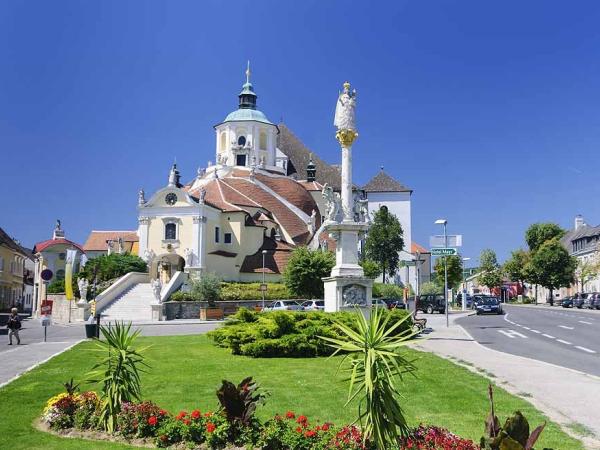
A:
(579, 221)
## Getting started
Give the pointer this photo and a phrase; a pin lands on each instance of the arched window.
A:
(242, 140)
(170, 231)
(262, 141)
(223, 144)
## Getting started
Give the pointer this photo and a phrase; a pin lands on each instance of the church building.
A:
(260, 199)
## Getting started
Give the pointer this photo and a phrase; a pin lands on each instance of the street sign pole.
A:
(446, 275)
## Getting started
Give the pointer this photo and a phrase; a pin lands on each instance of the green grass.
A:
(187, 369)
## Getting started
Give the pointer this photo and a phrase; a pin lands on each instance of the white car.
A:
(314, 305)
(284, 305)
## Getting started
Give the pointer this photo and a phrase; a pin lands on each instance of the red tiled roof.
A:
(291, 190)
(96, 241)
(41, 246)
(414, 248)
(277, 257)
(311, 185)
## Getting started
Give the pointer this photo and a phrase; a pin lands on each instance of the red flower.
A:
(298, 430)
(195, 414)
(152, 420)
(309, 433)
(207, 414)
(210, 427)
(325, 427)
(290, 415)
(181, 415)
(162, 412)
(302, 419)
(186, 421)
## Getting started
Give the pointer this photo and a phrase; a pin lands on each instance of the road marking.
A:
(585, 349)
(563, 342)
(548, 336)
(565, 327)
(512, 334)
(536, 331)
(527, 328)
(587, 323)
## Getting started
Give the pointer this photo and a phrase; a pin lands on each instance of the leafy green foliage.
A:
(115, 265)
(490, 274)
(239, 291)
(455, 271)
(586, 271)
(385, 241)
(516, 267)
(118, 371)
(429, 287)
(552, 266)
(370, 268)
(281, 334)
(71, 387)
(304, 271)
(381, 290)
(514, 435)
(374, 365)
(538, 233)
(207, 288)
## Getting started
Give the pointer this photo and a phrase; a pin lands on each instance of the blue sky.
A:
(489, 111)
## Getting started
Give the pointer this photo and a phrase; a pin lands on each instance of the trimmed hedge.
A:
(240, 291)
(287, 333)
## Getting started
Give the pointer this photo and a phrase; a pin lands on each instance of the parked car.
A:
(489, 305)
(284, 305)
(379, 303)
(593, 301)
(430, 303)
(567, 302)
(393, 303)
(579, 299)
(588, 301)
(314, 305)
(476, 299)
(458, 300)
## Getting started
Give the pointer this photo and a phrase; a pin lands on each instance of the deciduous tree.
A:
(552, 266)
(538, 233)
(455, 271)
(516, 267)
(305, 270)
(490, 274)
(384, 241)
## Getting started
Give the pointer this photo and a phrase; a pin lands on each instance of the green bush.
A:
(251, 291)
(207, 288)
(115, 265)
(305, 270)
(371, 268)
(528, 300)
(288, 333)
(381, 290)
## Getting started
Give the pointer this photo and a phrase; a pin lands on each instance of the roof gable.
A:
(382, 182)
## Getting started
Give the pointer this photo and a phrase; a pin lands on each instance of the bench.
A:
(420, 324)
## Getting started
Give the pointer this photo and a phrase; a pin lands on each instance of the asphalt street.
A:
(565, 337)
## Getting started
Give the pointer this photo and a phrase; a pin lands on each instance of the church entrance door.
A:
(166, 266)
(240, 160)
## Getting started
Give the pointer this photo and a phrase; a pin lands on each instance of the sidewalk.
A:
(556, 308)
(566, 396)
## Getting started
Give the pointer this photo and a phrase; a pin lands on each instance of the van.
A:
(429, 303)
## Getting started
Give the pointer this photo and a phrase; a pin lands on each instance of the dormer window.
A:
(241, 141)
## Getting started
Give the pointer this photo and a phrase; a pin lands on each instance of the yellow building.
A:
(12, 269)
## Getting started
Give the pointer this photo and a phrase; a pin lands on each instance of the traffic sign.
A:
(46, 274)
(451, 240)
(263, 287)
(46, 308)
(443, 251)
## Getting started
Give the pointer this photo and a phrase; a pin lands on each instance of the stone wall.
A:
(191, 310)
(60, 309)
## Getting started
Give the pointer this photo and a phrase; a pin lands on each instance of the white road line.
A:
(563, 342)
(587, 323)
(527, 328)
(585, 349)
(548, 336)
(512, 334)
(565, 327)
(536, 331)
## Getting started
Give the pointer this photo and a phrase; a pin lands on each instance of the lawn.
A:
(187, 369)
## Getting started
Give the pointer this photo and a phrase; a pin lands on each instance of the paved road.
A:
(33, 350)
(565, 337)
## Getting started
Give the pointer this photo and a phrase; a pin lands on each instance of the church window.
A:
(170, 231)
(217, 234)
(227, 238)
(223, 144)
(262, 141)
(242, 140)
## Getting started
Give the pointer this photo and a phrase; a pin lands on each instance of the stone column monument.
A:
(347, 287)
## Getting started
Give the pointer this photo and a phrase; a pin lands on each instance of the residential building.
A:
(13, 259)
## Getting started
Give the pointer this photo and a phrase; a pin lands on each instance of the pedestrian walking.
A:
(14, 325)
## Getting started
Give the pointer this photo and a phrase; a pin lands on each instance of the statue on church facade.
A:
(148, 256)
(189, 257)
(83, 285)
(201, 194)
(332, 204)
(313, 222)
(141, 197)
(361, 210)
(57, 227)
(344, 110)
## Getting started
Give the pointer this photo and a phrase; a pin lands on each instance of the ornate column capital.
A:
(199, 219)
(144, 220)
(346, 137)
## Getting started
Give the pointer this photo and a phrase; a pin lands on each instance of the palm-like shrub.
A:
(374, 365)
(118, 371)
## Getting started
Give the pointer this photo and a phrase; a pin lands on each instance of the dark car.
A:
(489, 305)
(458, 300)
(477, 299)
(430, 303)
(594, 301)
(588, 302)
(394, 303)
(578, 300)
(567, 302)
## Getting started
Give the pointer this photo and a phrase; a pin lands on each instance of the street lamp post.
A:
(444, 223)
(464, 293)
(262, 288)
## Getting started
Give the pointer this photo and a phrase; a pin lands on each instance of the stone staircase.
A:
(133, 305)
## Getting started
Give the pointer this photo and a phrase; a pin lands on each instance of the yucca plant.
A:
(374, 365)
(118, 371)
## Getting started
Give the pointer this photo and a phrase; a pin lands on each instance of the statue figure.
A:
(361, 210)
(253, 161)
(57, 227)
(109, 246)
(156, 288)
(344, 109)
(148, 256)
(252, 172)
(120, 248)
(313, 222)
(201, 194)
(83, 284)
(189, 257)
(354, 295)
(201, 172)
(141, 197)
(331, 203)
(263, 162)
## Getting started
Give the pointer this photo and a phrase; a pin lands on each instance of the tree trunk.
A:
(551, 297)
(383, 273)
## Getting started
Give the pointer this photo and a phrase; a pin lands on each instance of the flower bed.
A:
(146, 424)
